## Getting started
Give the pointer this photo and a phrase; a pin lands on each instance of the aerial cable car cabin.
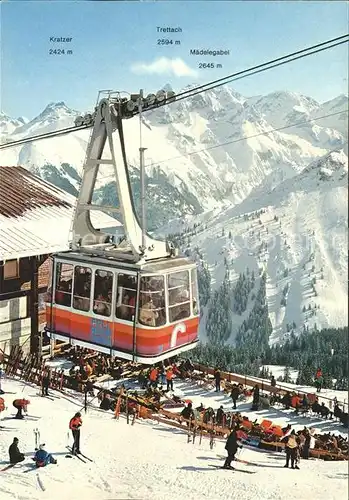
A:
(138, 299)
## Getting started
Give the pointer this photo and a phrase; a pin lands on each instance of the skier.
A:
(46, 379)
(220, 415)
(169, 379)
(231, 446)
(43, 458)
(88, 387)
(142, 379)
(217, 376)
(187, 413)
(106, 402)
(235, 394)
(306, 445)
(291, 451)
(255, 401)
(2, 404)
(20, 404)
(74, 425)
(153, 377)
(318, 380)
(15, 455)
(162, 374)
(209, 415)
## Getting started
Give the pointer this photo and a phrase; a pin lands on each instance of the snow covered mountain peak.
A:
(57, 110)
(7, 124)
(56, 115)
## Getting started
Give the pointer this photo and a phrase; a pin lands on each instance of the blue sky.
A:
(114, 42)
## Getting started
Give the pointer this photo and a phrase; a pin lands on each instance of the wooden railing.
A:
(264, 385)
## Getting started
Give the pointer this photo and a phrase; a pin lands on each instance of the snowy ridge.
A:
(192, 144)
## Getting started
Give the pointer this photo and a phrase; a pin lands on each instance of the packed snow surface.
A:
(149, 460)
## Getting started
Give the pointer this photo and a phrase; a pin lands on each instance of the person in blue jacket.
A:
(43, 458)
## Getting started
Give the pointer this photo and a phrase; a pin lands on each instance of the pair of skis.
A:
(7, 467)
(80, 456)
(47, 396)
(233, 469)
(237, 459)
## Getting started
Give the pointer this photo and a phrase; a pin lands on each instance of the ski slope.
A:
(149, 460)
(299, 240)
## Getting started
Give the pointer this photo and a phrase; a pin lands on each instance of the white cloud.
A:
(164, 66)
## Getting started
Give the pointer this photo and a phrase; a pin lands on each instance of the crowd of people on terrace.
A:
(160, 378)
(265, 430)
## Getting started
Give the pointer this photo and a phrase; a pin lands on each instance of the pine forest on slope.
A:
(263, 211)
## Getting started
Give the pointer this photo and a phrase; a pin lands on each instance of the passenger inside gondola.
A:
(101, 305)
(82, 288)
(126, 297)
(159, 303)
(152, 301)
(103, 293)
(64, 276)
(126, 304)
(63, 293)
(132, 303)
(147, 313)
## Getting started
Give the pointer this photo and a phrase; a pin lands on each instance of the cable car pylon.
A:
(85, 238)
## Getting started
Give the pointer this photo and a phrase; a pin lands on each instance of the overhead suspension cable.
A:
(205, 87)
(341, 39)
(249, 72)
(47, 135)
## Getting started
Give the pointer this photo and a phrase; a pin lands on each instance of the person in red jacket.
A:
(20, 404)
(169, 379)
(74, 425)
(153, 376)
